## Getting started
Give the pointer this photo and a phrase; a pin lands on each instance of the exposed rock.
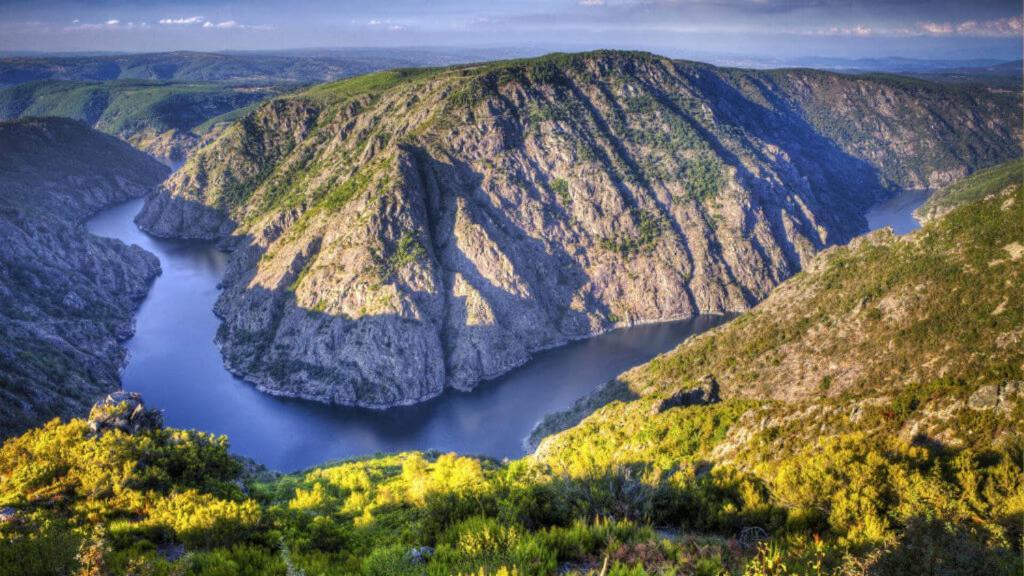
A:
(438, 231)
(123, 411)
(706, 392)
(995, 396)
(67, 298)
(420, 555)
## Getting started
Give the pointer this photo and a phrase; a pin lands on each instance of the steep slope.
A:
(915, 468)
(408, 231)
(165, 119)
(985, 182)
(66, 297)
(917, 337)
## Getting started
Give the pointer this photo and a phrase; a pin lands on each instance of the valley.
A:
(599, 313)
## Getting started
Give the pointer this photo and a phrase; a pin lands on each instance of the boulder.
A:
(706, 392)
(123, 411)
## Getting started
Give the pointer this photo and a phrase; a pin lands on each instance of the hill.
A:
(404, 232)
(165, 119)
(259, 68)
(985, 182)
(910, 467)
(66, 297)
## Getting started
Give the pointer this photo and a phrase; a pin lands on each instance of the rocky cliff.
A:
(66, 297)
(403, 232)
(917, 336)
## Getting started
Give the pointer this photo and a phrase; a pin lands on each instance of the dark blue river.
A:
(174, 363)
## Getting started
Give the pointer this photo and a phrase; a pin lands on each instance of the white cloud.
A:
(1011, 26)
(937, 28)
(234, 25)
(859, 30)
(386, 24)
(183, 21)
(113, 22)
(591, 2)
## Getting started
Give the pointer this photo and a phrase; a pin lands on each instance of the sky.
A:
(957, 29)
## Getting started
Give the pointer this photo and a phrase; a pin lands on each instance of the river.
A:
(174, 363)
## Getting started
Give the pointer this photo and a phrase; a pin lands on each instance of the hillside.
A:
(989, 181)
(916, 336)
(911, 467)
(66, 297)
(405, 232)
(165, 119)
(253, 67)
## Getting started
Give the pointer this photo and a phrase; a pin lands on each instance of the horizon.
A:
(767, 29)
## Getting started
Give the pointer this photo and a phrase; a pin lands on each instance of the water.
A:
(174, 363)
(898, 212)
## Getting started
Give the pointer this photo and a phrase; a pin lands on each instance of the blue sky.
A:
(779, 28)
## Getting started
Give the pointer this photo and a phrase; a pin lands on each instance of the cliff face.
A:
(66, 297)
(917, 337)
(406, 231)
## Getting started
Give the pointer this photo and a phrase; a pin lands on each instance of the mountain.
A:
(409, 231)
(165, 119)
(66, 297)
(906, 461)
(260, 68)
(926, 325)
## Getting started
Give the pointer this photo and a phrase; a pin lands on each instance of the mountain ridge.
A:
(469, 216)
(68, 298)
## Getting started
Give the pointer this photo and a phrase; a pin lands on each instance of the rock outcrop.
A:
(886, 335)
(125, 412)
(66, 297)
(410, 231)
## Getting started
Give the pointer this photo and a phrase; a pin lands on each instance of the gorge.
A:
(411, 231)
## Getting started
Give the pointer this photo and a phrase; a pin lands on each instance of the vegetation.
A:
(984, 182)
(137, 110)
(648, 226)
(751, 485)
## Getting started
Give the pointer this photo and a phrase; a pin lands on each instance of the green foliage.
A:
(128, 106)
(561, 189)
(980, 184)
(648, 228)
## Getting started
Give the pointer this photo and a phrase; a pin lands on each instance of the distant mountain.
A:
(296, 66)
(409, 231)
(66, 297)
(1003, 74)
(163, 118)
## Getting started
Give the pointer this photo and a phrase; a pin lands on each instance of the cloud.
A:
(1002, 27)
(234, 25)
(113, 22)
(385, 23)
(183, 21)
(859, 30)
(591, 2)
(1011, 26)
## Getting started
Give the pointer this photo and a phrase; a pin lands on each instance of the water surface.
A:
(898, 212)
(174, 363)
